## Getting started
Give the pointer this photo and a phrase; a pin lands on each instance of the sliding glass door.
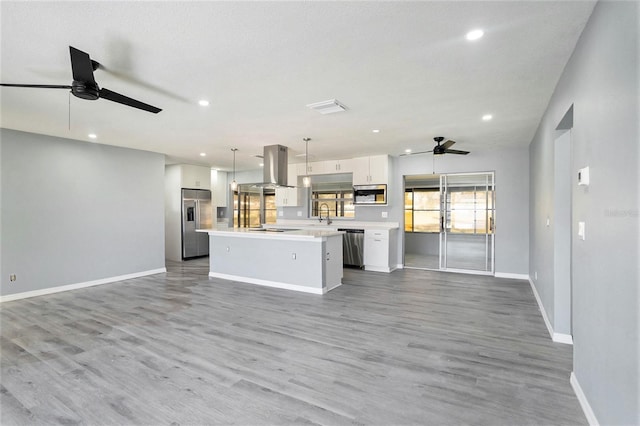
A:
(467, 222)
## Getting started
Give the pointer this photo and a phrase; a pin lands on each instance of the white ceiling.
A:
(402, 67)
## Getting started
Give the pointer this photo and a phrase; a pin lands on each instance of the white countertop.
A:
(297, 234)
(310, 224)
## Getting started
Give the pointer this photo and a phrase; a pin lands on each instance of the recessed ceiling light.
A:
(487, 117)
(474, 35)
(203, 154)
(203, 102)
(376, 130)
(407, 151)
(261, 164)
(93, 135)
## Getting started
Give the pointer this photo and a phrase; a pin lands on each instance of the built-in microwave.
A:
(369, 194)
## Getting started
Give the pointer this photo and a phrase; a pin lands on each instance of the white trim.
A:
(51, 290)
(556, 337)
(512, 276)
(378, 268)
(275, 284)
(541, 308)
(464, 271)
(582, 399)
(328, 289)
(562, 338)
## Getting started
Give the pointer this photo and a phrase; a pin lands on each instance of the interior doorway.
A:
(562, 227)
(450, 222)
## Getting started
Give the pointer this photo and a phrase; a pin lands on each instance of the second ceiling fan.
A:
(440, 149)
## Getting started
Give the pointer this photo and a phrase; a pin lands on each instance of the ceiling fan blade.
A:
(455, 151)
(415, 153)
(81, 66)
(121, 99)
(37, 86)
(447, 144)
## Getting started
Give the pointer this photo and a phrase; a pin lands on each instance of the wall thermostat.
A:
(583, 176)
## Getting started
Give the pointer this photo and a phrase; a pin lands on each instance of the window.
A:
(471, 210)
(334, 190)
(422, 210)
(340, 203)
(270, 210)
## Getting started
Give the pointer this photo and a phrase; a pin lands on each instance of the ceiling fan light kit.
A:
(84, 85)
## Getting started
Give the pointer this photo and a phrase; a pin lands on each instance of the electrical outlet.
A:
(385, 215)
(12, 277)
(293, 256)
(535, 275)
(299, 213)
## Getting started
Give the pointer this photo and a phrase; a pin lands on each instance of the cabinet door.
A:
(379, 169)
(376, 248)
(360, 167)
(316, 168)
(338, 166)
(196, 177)
(219, 187)
(281, 197)
(371, 170)
(286, 197)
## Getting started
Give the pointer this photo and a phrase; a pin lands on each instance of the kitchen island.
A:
(302, 260)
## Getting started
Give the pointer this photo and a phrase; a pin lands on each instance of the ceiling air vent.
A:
(328, 107)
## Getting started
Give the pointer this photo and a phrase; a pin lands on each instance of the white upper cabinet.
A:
(287, 197)
(195, 177)
(326, 167)
(314, 168)
(219, 187)
(372, 170)
(338, 166)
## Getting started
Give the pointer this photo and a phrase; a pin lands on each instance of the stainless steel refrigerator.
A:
(196, 214)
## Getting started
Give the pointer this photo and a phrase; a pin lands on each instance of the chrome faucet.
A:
(328, 212)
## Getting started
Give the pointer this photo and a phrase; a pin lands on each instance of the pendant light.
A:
(234, 184)
(306, 180)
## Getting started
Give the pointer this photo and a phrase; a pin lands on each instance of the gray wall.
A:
(75, 211)
(601, 82)
(511, 169)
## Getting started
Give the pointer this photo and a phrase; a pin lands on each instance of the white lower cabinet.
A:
(379, 247)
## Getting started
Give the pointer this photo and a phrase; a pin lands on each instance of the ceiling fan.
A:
(441, 149)
(84, 85)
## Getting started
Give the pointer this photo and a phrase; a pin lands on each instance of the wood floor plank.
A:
(412, 347)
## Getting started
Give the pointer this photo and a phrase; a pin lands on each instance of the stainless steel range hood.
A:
(276, 162)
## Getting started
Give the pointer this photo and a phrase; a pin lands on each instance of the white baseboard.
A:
(51, 290)
(562, 338)
(556, 337)
(377, 269)
(275, 284)
(512, 276)
(582, 399)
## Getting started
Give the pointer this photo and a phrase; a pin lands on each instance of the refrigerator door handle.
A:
(197, 214)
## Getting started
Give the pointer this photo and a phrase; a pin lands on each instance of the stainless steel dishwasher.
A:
(353, 247)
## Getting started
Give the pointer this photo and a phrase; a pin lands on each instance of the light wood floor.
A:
(412, 347)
